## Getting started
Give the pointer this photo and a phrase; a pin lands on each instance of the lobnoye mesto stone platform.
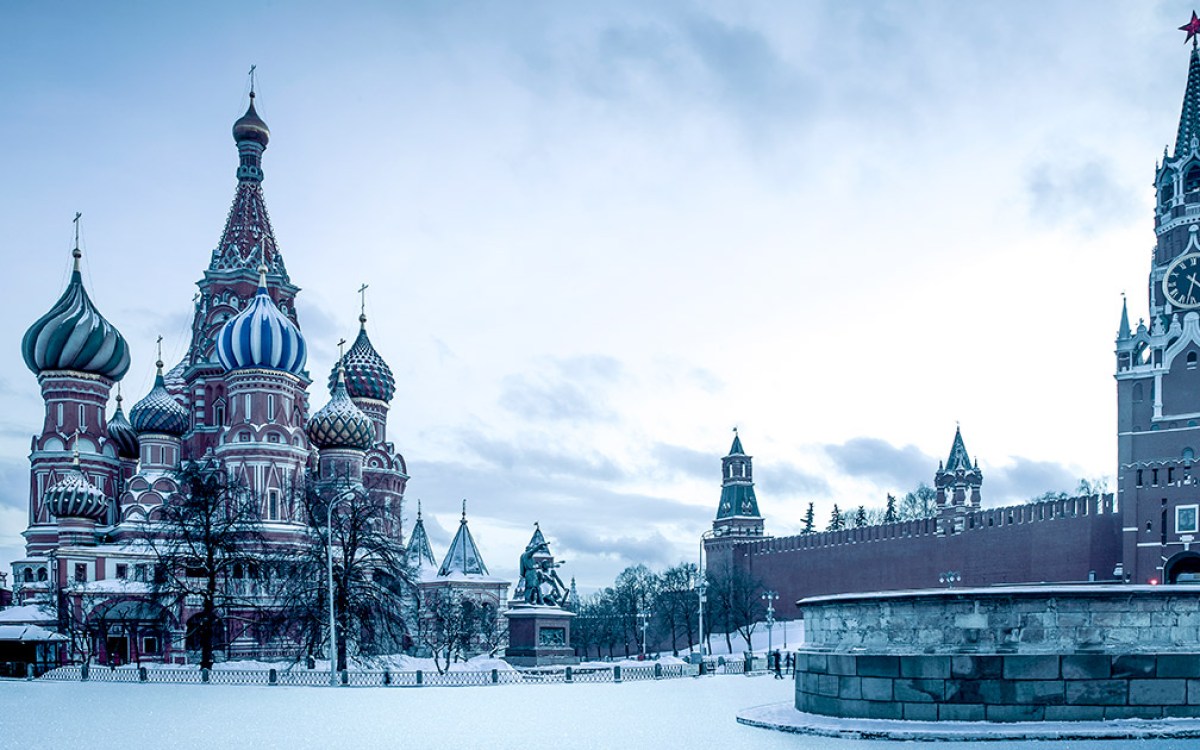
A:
(1004, 654)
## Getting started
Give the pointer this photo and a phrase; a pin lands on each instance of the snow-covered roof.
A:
(419, 553)
(26, 614)
(463, 556)
(29, 634)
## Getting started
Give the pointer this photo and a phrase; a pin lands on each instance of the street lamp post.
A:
(702, 588)
(645, 618)
(333, 681)
(770, 598)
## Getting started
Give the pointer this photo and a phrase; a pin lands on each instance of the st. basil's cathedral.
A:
(239, 399)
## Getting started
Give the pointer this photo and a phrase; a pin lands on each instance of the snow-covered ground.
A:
(687, 713)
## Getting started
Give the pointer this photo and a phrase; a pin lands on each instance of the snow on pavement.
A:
(685, 713)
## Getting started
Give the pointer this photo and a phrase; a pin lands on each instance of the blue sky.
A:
(598, 236)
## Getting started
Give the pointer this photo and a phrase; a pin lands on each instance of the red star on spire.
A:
(1192, 28)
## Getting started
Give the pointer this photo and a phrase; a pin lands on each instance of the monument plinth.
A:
(539, 636)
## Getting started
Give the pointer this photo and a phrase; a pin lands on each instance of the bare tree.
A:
(636, 588)
(373, 592)
(736, 594)
(203, 531)
(675, 602)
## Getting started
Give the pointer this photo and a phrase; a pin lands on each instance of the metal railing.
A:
(299, 676)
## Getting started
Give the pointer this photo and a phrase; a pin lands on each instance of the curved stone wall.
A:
(1055, 653)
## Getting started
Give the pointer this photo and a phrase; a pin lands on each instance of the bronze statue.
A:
(530, 573)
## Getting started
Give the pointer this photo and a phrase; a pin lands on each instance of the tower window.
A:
(1154, 477)
(80, 573)
(273, 504)
(270, 407)
(1138, 392)
(1191, 180)
(1191, 360)
(219, 415)
(1139, 477)
(248, 404)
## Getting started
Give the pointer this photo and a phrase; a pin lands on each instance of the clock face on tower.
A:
(1182, 282)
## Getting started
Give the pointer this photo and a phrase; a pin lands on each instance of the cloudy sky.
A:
(599, 236)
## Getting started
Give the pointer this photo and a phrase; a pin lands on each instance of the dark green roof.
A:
(1189, 117)
(958, 454)
(736, 449)
(737, 500)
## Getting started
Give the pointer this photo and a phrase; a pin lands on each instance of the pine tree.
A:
(836, 522)
(889, 515)
(860, 516)
(809, 521)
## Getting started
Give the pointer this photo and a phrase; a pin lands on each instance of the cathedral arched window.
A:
(29, 575)
(1191, 179)
(42, 575)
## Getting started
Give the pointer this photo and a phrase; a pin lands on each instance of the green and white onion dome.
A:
(159, 412)
(73, 496)
(261, 336)
(341, 424)
(367, 375)
(75, 336)
(122, 434)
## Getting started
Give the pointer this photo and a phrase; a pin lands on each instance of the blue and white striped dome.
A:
(261, 336)
(159, 412)
(75, 336)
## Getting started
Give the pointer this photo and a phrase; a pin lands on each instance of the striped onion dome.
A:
(261, 336)
(159, 412)
(367, 375)
(74, 336)
(122, 434)
(74, 496)
(341, 424)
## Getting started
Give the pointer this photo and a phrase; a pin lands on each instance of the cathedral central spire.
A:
(248, 239)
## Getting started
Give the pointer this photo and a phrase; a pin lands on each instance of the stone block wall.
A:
(1035, 619)
(1000, 688)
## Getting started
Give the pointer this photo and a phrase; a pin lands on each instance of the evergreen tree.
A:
(809, 521)
(889, 513)
(860, 516)
(836, 522)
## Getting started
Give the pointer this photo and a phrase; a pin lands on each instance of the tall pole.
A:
(332, 616)
(333, 681)
(701, 588)
(770, 598)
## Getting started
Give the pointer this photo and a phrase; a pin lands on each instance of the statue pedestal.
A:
(539, 636)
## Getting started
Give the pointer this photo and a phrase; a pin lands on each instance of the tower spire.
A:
(1123, 331)
(1189, 116)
